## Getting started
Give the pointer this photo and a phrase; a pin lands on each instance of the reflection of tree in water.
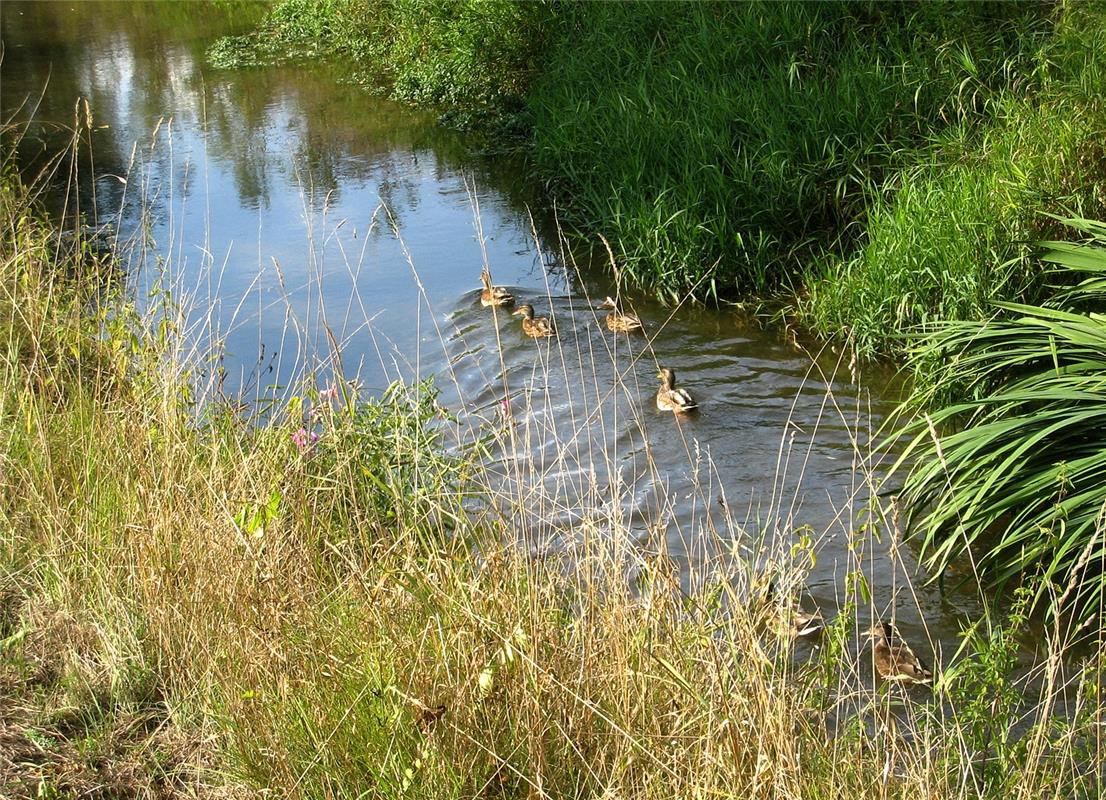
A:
(118, 57)
(140, 65)
(235, 123)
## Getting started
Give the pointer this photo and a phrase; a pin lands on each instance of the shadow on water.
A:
(289, 210)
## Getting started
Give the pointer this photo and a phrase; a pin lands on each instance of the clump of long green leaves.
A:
(1016, 473)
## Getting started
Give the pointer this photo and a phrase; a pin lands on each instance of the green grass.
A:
(1014, 476)
(949, 235)
(473, 60)
(722, 145)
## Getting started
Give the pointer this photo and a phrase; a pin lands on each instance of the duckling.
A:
(493, 295)
(669, 398)
(537, 327)
(896, 662)
(798, 622)
(620, 321)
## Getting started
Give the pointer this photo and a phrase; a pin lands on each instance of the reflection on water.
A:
(291, 211)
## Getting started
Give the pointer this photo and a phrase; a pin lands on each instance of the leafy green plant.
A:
(984, 699)
(947, 236)
(1015, 473)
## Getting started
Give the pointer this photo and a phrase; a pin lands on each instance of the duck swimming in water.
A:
(670, 398)
(493, 295)
(618, 320)
(536, 327)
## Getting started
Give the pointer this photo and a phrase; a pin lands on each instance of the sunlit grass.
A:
(950, 235)
(721, 146)
(1016, 472)
(354, 615)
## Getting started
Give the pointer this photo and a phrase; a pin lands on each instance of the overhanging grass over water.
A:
(874, 160)
(1013, 475)
(236, 606)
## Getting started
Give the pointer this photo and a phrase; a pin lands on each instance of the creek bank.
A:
(876, 165)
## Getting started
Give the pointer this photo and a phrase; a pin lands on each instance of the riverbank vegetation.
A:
(1016, 480)
(884, 168)
(881, 164)
(331, 602)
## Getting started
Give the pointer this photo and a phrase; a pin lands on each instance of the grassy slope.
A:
(723, 144)
(951, 233)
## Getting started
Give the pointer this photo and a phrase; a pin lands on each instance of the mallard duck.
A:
(493, 295)
(799, 622)
(669, 398)
(531, 325)
(896, 662)
(792, 620)
(618, 320)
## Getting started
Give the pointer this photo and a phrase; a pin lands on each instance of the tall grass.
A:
(353, 616)
(722, 145)
(949, 234)
(1017, 471)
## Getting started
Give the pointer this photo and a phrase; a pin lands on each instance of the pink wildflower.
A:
(328, 394)
(504, 409)
(304, 439)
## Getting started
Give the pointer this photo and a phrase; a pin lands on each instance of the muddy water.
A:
(286, 206)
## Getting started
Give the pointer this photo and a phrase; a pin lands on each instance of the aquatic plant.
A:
(1013, 476)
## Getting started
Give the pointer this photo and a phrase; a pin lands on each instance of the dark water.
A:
(284, 206)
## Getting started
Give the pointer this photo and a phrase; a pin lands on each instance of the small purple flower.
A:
(304, 439)
(329, 394)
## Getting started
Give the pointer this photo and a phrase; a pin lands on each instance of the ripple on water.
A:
(585, 441)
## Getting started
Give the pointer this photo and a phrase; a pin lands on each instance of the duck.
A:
(896, 662)
(619, 321)
(493, 295)
(669, 398)
(798, 622)
(792, 621)
(536, 327)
